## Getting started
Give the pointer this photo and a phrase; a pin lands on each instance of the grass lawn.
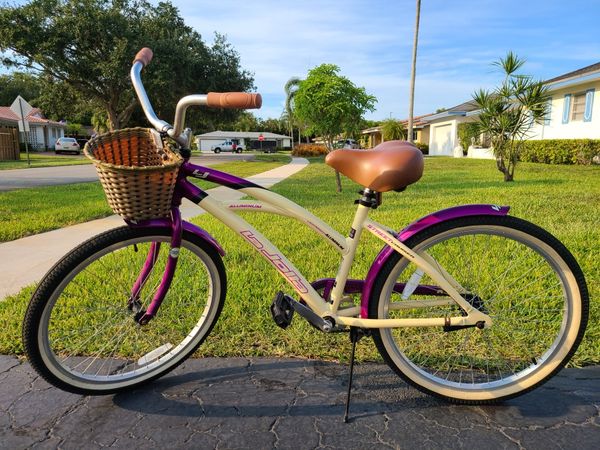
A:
(24, 212)
(562, 199)
(45, 160)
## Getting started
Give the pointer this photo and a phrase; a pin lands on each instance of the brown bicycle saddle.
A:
(392, 165)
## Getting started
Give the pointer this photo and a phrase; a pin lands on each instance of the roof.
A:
(418, 122)
(34, 116)
(7, 115)
(576, 73)
(240, 134)
(459, 110)
(464, 107)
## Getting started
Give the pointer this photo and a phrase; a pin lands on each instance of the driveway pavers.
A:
(262, 403)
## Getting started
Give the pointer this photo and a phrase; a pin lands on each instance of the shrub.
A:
(393, 130)
(561, 151)
(467, 133)
(423, 147)
(309, 150)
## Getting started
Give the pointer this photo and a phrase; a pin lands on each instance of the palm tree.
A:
(392, 130)
(508, 113)
(291, 87)
(411, 99)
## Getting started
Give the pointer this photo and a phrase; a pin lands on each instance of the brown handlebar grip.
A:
(234, 100)
(144, 56)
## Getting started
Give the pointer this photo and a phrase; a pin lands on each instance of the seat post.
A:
(367, 201)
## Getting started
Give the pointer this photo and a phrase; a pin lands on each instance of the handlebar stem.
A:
(182, 106)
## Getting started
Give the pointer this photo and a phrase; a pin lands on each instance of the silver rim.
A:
(520, 281)
(88, 337)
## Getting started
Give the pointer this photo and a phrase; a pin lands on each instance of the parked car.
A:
(228, 146)
(347, 143)
(67, 144)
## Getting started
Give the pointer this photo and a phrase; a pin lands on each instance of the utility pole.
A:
(411, 98)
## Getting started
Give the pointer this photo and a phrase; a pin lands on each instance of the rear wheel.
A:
(80, 332)
(518, 274)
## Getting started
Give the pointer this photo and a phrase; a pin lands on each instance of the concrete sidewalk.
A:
(262, 403)
(26, 261)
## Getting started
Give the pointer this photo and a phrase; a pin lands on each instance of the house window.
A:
(578, 107)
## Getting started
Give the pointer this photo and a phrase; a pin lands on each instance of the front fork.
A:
(143, 317)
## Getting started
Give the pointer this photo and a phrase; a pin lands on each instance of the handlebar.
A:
(239, 100)
(144, 56)
(230, 100)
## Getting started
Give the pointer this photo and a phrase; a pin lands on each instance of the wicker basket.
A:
(138, 173)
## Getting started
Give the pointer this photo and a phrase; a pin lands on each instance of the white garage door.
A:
(441, 140)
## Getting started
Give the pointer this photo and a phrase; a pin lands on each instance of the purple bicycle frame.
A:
(185, 189)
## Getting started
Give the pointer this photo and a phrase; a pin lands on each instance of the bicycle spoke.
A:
(509, 279)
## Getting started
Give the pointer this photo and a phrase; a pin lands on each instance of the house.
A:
(443, 127)
(372, 137)
(248, 139)
(573, 114)
(42, 133)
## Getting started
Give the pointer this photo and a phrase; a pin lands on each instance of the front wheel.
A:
(518, 274)
(80, 332)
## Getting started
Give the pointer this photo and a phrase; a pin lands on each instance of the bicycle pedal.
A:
(282, 310)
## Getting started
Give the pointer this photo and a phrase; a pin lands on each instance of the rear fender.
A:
(417, 226)
(187, 226)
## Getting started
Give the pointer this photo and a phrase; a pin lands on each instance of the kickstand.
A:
(355, 335)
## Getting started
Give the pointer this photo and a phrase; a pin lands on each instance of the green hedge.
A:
(561, 151)
(309, 150)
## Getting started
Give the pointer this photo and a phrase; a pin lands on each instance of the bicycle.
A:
(468, 304)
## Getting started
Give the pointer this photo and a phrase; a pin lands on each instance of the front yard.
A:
(562, 199)
(46, 159)
(24, 212)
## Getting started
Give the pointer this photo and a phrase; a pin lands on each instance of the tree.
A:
(60, 101)
(18, 83)
(57, 100)
(291, 88)
(392, 129)
(246, 122)
(89, 45)
(331, 104)
(273, 125)
(100, 122)
(508, 113)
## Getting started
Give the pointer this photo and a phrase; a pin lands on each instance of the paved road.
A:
(47, 176)
(291, 404)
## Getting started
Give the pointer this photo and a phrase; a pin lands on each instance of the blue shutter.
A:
(548, 115)
(589, 103)
(566, 108)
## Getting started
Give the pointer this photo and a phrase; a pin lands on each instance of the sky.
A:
(371, 42)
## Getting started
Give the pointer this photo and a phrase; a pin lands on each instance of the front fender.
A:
(417, 226)
(187, 226)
